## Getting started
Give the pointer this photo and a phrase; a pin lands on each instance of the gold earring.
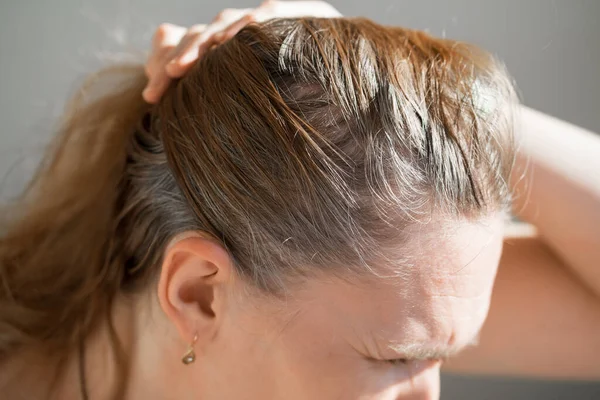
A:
(190, 356)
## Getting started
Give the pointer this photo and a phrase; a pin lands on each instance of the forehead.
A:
(438, 294)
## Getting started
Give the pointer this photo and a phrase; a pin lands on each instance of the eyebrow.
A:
(426, 352)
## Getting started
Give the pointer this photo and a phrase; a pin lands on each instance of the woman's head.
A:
(312, 195)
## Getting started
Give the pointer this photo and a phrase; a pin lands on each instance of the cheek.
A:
(258, 355)
(316, 361)
(303, 356)
(306, 357)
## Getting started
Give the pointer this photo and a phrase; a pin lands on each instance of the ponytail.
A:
(59, 267)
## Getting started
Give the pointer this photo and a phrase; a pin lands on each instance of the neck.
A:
(130, 362)
(111, 352)
(140, 370)
(152, 353)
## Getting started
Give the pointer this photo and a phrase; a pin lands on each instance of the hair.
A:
(302, 145)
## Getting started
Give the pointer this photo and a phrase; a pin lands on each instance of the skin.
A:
(175, 49)
(324, 340)
(545, 312)
(328, 338)
(321, 341)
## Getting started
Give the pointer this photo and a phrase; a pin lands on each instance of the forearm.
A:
(557, 189)
(542, 322)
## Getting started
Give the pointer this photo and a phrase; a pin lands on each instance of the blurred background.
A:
(551, 47)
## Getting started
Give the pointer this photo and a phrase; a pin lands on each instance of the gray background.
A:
(46, 48)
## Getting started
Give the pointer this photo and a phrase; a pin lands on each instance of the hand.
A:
(175, 49)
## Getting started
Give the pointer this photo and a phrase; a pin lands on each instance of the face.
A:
(379, 339)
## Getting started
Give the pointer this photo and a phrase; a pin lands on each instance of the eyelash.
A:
(397, 361)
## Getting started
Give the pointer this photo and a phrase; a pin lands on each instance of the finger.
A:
(167, 35)
(181, 57)
(170, 46)
(156, 88)
(165, 38)
(192, 34)
(167, 41)
(224, 26)
(158, 81)
(222, 36)
(157, 61)
(187, 53)
(229, 15)
(184, 61)
(235, 27)
(157, 76)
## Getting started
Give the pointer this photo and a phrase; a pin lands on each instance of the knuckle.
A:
(225, 13)
(198, 28)
(249, 17)
(161, 32)
(193, 35)
(164, 28)
(245, 20)
(268, 6)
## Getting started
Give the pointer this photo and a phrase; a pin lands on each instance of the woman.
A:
(315, 210)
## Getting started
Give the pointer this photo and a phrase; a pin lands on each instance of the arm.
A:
(562, 197)
(544, 319)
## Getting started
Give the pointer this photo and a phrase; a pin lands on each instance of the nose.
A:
(430, 389)
(423, 386)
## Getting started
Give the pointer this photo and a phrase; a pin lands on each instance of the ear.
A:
(194, 277)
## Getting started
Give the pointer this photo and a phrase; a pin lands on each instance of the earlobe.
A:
(194, 277)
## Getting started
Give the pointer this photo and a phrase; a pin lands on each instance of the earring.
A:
(190, 356)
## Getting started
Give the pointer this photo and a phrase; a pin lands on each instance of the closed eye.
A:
(406, 361)
(397, 361)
